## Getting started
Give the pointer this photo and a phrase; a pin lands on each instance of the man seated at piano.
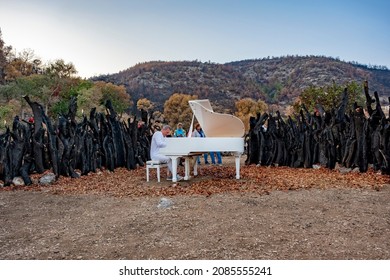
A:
(158, 142)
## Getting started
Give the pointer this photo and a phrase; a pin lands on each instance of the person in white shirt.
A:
(158, 142)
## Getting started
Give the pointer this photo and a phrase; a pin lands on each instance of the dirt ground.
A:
(270, 213)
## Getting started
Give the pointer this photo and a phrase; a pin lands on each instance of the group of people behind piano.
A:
(158, 141)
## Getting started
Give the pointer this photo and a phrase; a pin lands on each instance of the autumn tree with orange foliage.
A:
(120, 99)
(177, 109)
(247, 107)
(145, 104)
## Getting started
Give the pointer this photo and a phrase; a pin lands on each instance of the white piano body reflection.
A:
(224, 133)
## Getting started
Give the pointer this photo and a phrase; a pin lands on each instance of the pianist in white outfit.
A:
(158, 142)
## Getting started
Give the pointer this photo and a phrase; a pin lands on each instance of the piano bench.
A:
(154, 164)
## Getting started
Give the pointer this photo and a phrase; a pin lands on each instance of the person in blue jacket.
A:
(179, 132)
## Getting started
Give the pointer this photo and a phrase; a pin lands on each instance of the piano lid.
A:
(216, 124)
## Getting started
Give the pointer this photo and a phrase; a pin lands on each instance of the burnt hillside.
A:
(275, 80)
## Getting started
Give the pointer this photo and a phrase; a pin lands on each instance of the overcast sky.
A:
(102, 37)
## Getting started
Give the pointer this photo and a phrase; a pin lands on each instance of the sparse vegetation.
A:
(276, 81)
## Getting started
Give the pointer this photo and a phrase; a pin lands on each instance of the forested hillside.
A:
(274, 80)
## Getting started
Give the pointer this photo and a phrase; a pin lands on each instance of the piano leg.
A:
(238, 159)
(174, 169)
(194, 156)
(187, 168)
(196, 167)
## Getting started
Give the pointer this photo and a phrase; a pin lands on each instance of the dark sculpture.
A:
(353, 139)
(101, 141)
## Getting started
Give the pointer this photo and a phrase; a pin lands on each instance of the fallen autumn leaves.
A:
(211, 180)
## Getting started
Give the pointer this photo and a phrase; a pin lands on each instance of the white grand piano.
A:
(224, 133)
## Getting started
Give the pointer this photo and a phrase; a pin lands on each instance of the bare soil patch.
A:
(271, 213)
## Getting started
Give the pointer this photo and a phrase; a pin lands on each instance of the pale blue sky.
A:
(102, 37)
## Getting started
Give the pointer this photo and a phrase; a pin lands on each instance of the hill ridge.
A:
(277, 80)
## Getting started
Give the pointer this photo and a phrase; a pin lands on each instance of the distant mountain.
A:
(274, 80)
